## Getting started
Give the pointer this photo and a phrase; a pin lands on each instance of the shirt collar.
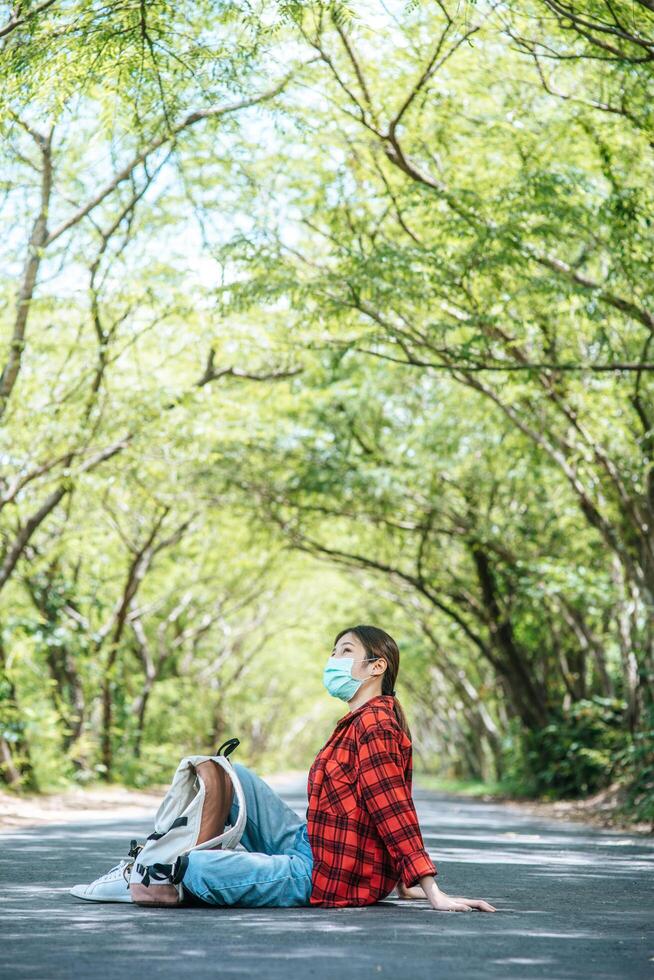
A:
(379, 701)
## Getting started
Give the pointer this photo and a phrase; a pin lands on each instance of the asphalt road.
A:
(573, 902)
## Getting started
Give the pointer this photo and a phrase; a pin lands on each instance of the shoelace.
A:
(117, 870)
(124, 865)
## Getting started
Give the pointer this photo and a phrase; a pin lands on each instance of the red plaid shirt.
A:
(361, 820)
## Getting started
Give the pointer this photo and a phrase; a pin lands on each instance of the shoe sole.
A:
(79, 891)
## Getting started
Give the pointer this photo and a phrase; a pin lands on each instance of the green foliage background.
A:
(320, 314)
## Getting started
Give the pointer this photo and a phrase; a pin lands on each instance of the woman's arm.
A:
(389, 802)
(445, 903)
(387, 798)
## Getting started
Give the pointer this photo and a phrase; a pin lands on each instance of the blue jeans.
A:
(275, 867)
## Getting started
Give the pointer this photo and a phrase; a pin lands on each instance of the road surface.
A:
(573, 902)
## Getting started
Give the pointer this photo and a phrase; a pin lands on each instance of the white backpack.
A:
(189, 814)
(177, 825)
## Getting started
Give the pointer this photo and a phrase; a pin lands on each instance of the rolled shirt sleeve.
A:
(387, 798)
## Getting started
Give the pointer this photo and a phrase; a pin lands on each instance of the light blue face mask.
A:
(337, 677)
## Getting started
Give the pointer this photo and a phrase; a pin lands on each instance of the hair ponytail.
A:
(401, 717)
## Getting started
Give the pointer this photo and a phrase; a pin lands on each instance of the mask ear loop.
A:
(362, 661)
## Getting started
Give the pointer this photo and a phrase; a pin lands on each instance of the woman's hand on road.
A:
(442, 902)
(446, 903)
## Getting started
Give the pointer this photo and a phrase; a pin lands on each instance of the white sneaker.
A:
(112, 886)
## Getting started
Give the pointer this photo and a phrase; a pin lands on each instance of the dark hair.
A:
(377, 644)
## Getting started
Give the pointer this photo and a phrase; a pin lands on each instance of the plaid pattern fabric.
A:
(361, 820)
